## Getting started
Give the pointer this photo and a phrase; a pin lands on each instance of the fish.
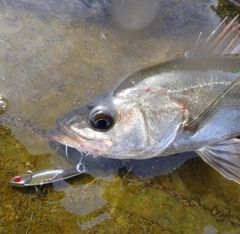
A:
(186, 104)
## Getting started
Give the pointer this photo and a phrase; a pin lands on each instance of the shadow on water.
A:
(100, 166)
(57, 55)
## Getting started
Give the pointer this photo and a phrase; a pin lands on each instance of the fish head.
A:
(131, 123)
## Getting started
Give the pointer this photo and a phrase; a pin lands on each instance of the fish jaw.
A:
(65, 136)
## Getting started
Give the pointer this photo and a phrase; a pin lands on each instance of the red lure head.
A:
(17, 179)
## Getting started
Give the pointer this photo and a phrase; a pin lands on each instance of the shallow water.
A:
(57, 55)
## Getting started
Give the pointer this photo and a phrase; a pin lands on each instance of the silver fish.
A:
(189, 104)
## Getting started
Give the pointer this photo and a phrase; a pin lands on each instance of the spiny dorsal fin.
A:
(224, 40)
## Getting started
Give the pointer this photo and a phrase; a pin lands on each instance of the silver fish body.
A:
(196, 84)
(182, 105)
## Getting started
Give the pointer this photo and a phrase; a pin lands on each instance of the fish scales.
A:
(192, 86)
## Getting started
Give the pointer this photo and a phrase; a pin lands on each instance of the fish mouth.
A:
(63, 135)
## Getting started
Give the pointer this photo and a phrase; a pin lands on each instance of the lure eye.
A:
(101, 118)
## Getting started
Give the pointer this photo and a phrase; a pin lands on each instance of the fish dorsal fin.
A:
(224, 40)
(196, 122)
(223, 157)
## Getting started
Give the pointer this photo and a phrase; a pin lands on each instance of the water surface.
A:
(56, 56)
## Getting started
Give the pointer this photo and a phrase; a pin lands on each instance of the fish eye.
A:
(101, 118)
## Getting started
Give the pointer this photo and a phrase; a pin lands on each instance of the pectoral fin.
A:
(207, 113)
(224, 157)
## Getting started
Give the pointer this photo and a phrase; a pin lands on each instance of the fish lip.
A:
(82, 144)
(60, 136)
(66, 131)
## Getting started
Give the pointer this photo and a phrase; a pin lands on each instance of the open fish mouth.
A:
(66, 137)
